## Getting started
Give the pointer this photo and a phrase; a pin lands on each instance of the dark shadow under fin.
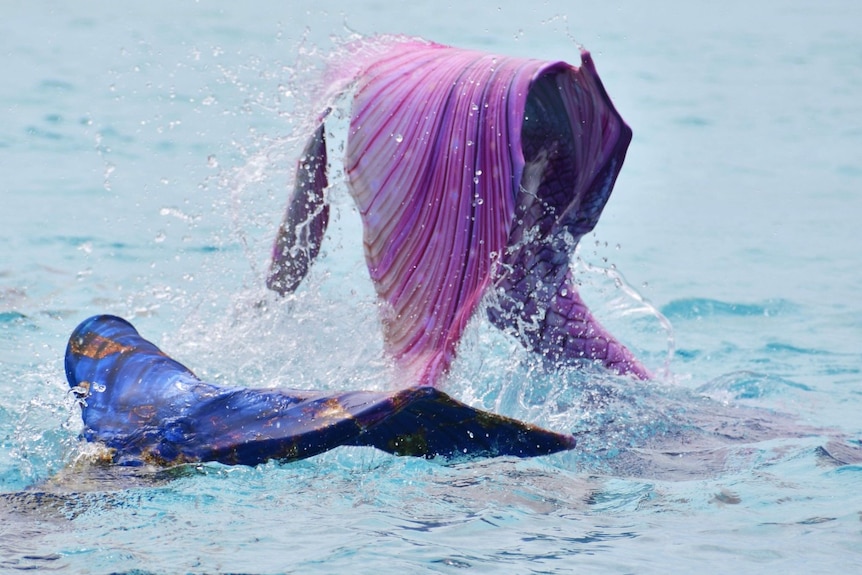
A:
(305, 220)
(148, 408)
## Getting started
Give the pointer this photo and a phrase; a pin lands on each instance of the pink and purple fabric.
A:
(475, 175)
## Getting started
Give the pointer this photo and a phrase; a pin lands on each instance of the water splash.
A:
(618, 304)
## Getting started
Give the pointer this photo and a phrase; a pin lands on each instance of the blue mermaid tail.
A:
(148, 408)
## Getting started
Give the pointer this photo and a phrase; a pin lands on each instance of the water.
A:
(145, 153)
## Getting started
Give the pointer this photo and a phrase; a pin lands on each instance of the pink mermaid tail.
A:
(473, 173)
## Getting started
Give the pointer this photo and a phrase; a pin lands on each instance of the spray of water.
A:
(327, 334)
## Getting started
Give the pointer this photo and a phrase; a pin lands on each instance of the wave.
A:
(694, 308)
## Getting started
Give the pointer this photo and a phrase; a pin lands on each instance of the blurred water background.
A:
(146, 152)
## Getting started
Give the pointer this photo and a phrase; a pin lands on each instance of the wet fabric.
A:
(473, 173)
(148, 408)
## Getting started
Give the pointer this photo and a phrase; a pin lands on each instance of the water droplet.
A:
(98, 387)
(212, 162)
(474, 107)
(160, 237)
(109, 169)
(399, 138)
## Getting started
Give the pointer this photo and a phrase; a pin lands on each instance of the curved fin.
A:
(574, 144)
(305, 220)
(149, 408)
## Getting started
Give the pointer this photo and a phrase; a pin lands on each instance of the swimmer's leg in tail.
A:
(149, 408)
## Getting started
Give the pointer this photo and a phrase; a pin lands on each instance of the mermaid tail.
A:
(473, 173)
(148, 408)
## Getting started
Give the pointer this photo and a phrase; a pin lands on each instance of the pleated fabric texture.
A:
(435, 161)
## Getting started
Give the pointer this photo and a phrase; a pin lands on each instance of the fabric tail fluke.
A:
(149, 409)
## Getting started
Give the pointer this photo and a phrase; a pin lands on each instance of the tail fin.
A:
(149, 408)
(305, 221)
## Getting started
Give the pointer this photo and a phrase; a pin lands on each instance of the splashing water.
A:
(618, 301)
(327, 335)
(661, 459)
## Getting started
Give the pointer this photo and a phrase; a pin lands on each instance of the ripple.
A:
(55, 85)
(694, 308)
(13, 317)
(750, 385)
(779, 347)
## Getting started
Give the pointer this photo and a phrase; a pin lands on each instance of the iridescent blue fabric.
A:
(149, 408)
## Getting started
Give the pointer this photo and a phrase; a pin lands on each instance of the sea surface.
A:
(146, 152)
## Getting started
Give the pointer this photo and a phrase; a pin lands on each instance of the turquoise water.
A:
(146, 151)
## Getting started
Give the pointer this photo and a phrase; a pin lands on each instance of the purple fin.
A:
(438, 144)
(574, 144)
(149, 408)
(305, 220)
(556, 323)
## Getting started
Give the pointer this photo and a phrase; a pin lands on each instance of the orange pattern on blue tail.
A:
(148, 408)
